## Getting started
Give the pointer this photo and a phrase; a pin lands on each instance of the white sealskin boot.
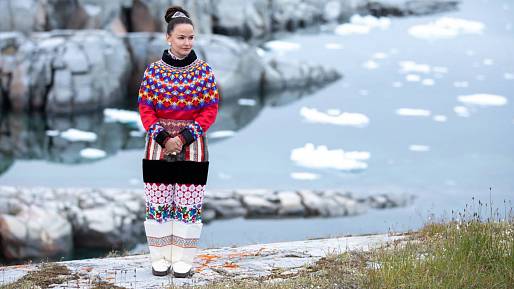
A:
(159, 237)
(185, 245)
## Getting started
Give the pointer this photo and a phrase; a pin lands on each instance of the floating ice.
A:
(440, 118)
(247, 102)
(397, 84)
(137, 133)
(92, 153)
(282, 45)
(334, 117)
(446, 27)
(413, 112)
(412, 77)
(123, 116)
(52, 132)
(304, 176)
(488, 61)
(379, 55)
(362, 25)
(419, 148)
(370, 64)
(411, 66)
(461, 84)
(321, 157)
(483, 99)
(334, 46)
(428, 82)
(348, 28)
(508, 76)
(222, 134)
(461, 111)
(78, 135)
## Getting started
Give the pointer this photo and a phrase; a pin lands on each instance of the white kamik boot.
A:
(159, 237)
(185, 245)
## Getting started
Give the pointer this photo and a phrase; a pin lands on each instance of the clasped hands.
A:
(173, 146)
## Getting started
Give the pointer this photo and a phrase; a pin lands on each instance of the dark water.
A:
(466, 157)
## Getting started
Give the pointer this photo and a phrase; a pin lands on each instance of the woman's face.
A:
(181, 39)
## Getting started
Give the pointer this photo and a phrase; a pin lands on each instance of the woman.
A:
(178, 102)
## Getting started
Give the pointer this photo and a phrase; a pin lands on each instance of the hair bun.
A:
(172, 10)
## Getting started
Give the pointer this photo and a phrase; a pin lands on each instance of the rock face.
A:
(248, 19)
(39, 222)
(63, 71)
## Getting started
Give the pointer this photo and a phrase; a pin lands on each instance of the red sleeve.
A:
(145, 103)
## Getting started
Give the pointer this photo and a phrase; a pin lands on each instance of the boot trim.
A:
(185, 242)
(159, 241)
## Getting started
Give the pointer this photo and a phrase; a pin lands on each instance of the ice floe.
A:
(461, 111)
(446, 27)
(483, 99)
(412, 77)
(123, 116)
(73, 134)
(334, 117)
(408, 66)
(247, 102)
(440, 118)
(92, 153)
(508, 76)
(370, 64)
(333, 46)
(428, 82)
(419, 148)
(304, 176)
(362, 25)
(487, 61)
(221, 134)
(279, 45)
(320, 157)
(413, 112)
(461, 84)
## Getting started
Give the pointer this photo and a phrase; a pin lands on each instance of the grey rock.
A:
(258, 206)
(226, 208)
(290, 204)
(35, 232)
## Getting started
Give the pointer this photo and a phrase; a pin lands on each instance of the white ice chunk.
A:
(411, 66)
(508, 76)
(92, 153)
(370, 64)
(72, 134)
(321, 157)
(428, 82)
(282, 45)
(483, 99)
(446, 27)
(440, 118)
(413, 112)
(333, 46)
(247, 102)
(52, 132)
(419, 148)
(334, 117)
(412, 77)
(304, 176)
(461, 84)
(222, 134)
(461, 111)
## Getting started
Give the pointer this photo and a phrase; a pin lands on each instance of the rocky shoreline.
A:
(38, 222)
(275, 260)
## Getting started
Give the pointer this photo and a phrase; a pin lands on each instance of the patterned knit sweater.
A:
(178, 89)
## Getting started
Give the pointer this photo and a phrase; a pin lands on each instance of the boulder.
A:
(35, 233)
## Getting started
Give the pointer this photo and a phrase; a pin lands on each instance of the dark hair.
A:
(177, 20)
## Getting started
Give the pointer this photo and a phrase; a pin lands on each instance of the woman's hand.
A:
(173, 146)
